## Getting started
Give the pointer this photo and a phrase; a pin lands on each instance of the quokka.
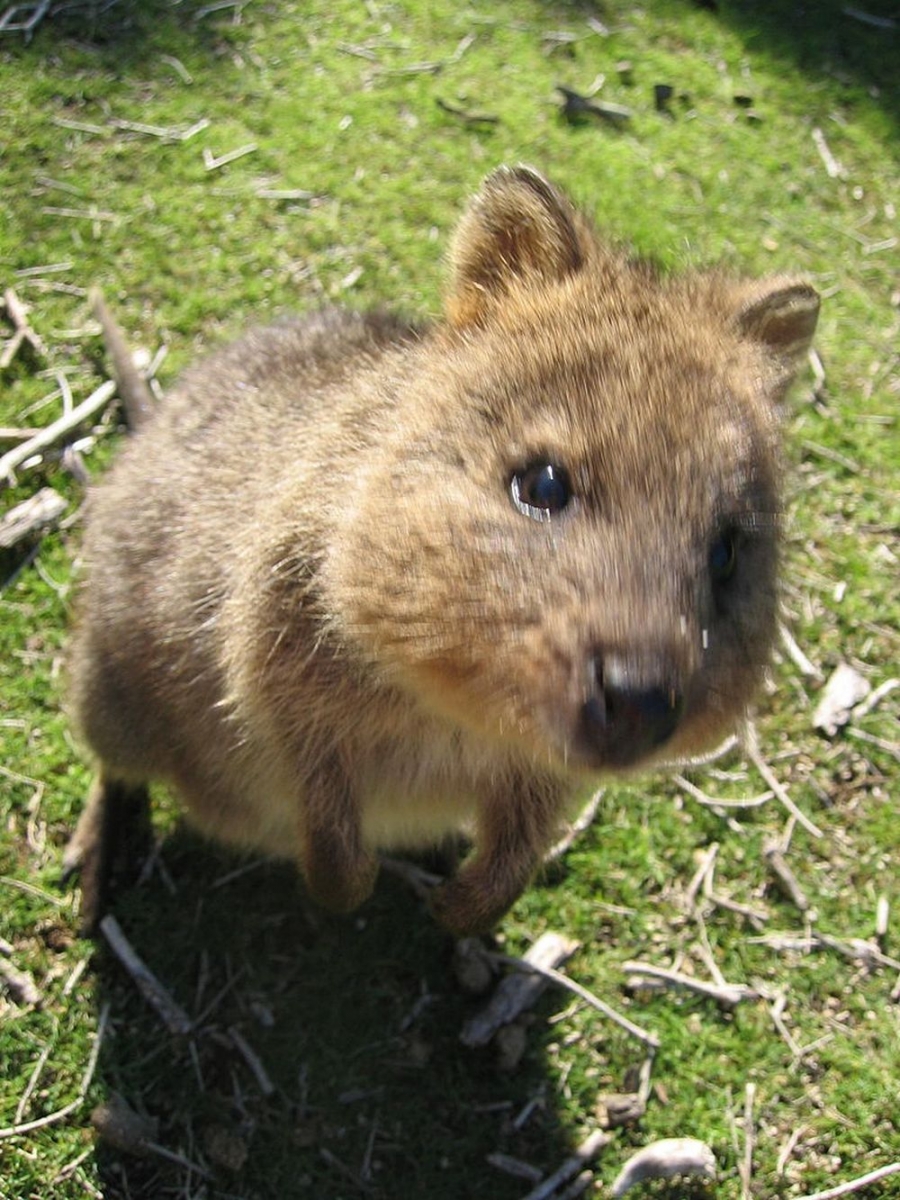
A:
(360, 583)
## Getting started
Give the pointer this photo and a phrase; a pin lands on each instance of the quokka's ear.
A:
(518, 229)
(781, 314)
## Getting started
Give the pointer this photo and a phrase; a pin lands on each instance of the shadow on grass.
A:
(125, 33)
(356, 1022)
(825, 38)
(858, 43)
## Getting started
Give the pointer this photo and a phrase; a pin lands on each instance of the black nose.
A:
(635, 709)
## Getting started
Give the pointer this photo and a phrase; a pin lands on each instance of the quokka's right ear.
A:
(519, 229)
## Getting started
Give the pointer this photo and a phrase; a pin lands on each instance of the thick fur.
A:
(312, 606)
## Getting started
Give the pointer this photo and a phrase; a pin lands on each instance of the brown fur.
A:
(312, 605)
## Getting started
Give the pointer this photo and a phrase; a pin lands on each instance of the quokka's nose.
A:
(635, 708)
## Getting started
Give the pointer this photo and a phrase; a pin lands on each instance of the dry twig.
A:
(213, 162)
(38, 1068)
(515, 1167)
(577, 1187)
(664, 1160)
(22, 885)
(727, 994)
(855, 1185)
(55, 431)
(752, 750)
(870, 18)
(516, 993)
(855, 949)
(546, 972)
(583, 1154)
(467, 117)
(703, 873)
(777, 1014)
(29, 24)
(42, 509)
(253, 1061)
(882, 917)
(777, 864)
(874, 699)
(833, 168)
(18, 314)
(892, 748)
(173, 1015)
(755, 916)
(799, 659)
(788, 1148)
(19, 984)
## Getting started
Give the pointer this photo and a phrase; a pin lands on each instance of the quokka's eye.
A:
(722, 557)
(541, 490)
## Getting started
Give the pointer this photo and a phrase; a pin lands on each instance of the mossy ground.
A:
(352, 186)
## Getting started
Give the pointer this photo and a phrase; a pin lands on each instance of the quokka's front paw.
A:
(471, 903)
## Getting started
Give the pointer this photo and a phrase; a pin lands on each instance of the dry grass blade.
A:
(715, 802)
(61, 1114)
(753, 753)
(855, 1185)
(583, 821)
(746, 1166)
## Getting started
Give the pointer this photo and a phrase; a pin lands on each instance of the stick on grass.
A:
(173, 1015)
(56, 431)
(727, 994)
(583, 1154)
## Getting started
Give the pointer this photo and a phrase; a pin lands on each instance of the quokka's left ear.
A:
(518, 229)
(781, 314)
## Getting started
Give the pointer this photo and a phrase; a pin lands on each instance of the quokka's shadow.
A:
(857, 42)
(127, 32)
(360, 1086)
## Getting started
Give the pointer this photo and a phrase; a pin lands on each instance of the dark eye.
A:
(722, 557)
(541, 490)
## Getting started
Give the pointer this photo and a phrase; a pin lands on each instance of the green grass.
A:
(362, 1064)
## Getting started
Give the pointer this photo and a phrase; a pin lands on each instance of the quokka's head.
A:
(568, 539)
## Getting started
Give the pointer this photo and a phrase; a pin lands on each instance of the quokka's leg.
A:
(111, 839)
(339, 871)
(515, 827)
